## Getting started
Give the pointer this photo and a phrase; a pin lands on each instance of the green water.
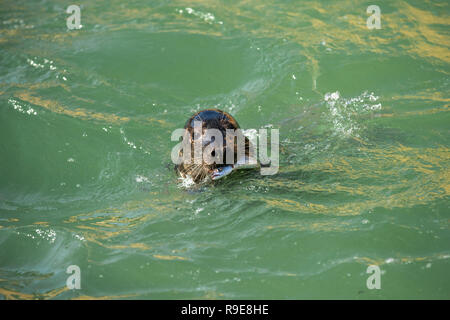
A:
(85, 123)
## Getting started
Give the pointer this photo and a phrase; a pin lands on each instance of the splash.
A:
(186, 182)
(49, 65)
(22, 109)
(345, 113)
(207, 17)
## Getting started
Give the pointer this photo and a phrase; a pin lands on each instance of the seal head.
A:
(197, 128)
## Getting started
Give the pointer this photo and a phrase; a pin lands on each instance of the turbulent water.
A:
(86, 177)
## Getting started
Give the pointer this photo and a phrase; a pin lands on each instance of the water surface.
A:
(85, 123)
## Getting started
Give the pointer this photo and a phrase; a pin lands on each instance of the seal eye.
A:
(213, 153)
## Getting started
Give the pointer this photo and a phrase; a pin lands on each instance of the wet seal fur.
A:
(220, 120)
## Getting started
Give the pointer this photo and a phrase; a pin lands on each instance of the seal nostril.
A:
(213, 154)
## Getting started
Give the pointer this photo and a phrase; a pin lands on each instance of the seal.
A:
(222, 123)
